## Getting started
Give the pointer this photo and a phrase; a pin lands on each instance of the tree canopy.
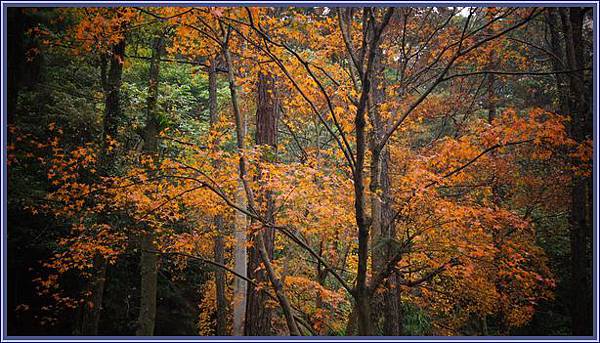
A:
(300, 171)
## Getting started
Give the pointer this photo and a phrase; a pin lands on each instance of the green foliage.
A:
(415, 321)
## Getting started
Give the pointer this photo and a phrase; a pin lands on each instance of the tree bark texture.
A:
(258, 314)
(381, 212)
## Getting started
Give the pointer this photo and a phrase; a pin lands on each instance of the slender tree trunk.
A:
(362, 296)
(92, 309)
(148, 264)
(111, 74)
(240, 265)
(221, 328)
(580, 218)
(278, 287)
(399, 305)
(219, 245)
(111, 80)
(321, 277)
(361, 292)
(149, 260)
(558, 61)
(241, 221)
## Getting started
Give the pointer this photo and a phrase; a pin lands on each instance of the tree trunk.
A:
(147, 314)
(558, 60)
(219, 245)
(240, 285)
(240, 265)
(580, 214)
(361, 292)
(221, 328)
(92, 309)
(321, 273)
(111, 84)
(241, 221)
(258, 315)
(362, 296)
(24, 71)
(352, 323)
(149, 259)
(278, 287)
(261, 245)
(382, 229)
(363, 305)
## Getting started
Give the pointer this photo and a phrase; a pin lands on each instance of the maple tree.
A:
(315, 171)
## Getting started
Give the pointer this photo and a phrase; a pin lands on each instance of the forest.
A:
(299, 171)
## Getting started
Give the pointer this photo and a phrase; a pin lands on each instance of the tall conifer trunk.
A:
(258, 315)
